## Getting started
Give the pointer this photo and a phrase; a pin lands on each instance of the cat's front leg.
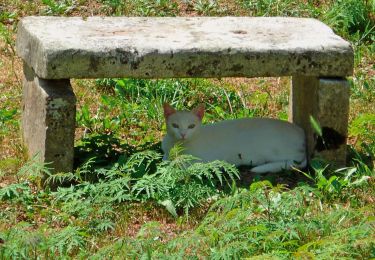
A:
(278, 166)
(166, 146)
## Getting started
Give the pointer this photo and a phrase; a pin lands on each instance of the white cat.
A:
(268, 145)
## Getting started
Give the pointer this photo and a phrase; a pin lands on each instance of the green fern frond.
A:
(62, 177)
(176, 151)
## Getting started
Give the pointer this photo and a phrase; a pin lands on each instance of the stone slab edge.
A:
(131, 61)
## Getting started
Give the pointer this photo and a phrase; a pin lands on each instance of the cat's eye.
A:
(191, 126)
(175, 125)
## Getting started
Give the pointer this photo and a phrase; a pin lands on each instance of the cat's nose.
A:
(183, 136)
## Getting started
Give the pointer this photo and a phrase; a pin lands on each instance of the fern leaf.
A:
(170, 207)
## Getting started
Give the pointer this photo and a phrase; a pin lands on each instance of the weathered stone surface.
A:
(333, 114)
(327, 100)
(302, 104)
(61, 47)
(48, 120)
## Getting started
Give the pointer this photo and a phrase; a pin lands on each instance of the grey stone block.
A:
(333, 114)
(327, 101)
(169, 47)
(48, 120)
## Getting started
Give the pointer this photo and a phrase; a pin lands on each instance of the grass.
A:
(127, 203)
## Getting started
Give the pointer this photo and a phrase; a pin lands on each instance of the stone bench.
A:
(55, 49)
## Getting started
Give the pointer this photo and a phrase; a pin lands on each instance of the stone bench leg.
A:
(327, 100)
(48, 120)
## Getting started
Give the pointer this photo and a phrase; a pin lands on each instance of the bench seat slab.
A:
(174, 47)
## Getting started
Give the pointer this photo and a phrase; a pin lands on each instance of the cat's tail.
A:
(279, 166)
(302, 164)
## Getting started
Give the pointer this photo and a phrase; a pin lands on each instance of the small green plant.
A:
(331, 185)
(15, 191)
(58, 7)
(155, 8)
(207, 7)
(182, 184)
(116, 6)
(351, 17)
(35, 171)
(278, 8)
(364, 126)
(7, 16)
(6, 35)
(7, 118)
(142, 7)
(68, 240)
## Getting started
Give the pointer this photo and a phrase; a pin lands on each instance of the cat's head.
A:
(183, 124)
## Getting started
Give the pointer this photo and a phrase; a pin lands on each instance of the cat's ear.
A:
(168, 110)
(199, 111)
